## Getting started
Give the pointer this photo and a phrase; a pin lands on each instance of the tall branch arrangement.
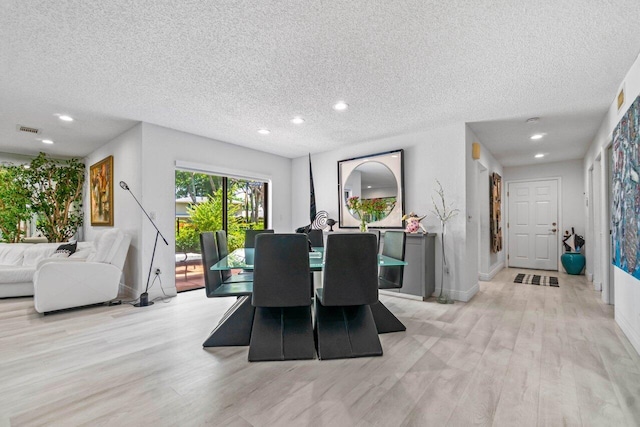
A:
(444, 213)
(440, 209)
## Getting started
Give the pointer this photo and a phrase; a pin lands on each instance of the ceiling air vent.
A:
(27, 129)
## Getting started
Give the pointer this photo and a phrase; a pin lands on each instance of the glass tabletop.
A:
(243, 259)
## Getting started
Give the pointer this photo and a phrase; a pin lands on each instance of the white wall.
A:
(572, 192)
(145, 158)
(126, 152)
(161, 148)
(626, 287)
(438, 153)
(478, 206)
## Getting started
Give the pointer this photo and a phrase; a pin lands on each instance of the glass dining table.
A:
(243, 259)
(234, 329)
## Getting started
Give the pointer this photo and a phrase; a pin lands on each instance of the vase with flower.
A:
(367, 210)
(444, 213)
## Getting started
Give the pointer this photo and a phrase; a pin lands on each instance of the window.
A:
(206, 202)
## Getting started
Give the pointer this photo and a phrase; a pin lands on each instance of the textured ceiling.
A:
(566, 136)
(224, 69)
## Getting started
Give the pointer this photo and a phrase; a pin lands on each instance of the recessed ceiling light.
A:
(47, 141)
(537, 136)
(539, 156)
(533, 120)
(368, 186)
(340, 106)
(264, 131)
(26, 166)
(65, 118)
(297, 120)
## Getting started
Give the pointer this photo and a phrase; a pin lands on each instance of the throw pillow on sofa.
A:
(65, 251)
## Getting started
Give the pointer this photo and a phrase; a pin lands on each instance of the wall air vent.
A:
(27, 129)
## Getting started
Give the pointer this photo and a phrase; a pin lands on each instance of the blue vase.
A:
(573, 262)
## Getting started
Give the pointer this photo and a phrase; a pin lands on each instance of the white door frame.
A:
(482, 216)
(589, 251)
(598, 193)
(560, 226)
(608, 295)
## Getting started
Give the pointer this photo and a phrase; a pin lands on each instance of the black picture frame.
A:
(394, 160)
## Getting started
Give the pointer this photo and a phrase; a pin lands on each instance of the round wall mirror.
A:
(372, 180)
(378, 180)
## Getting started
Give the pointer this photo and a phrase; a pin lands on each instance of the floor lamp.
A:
(144, 297)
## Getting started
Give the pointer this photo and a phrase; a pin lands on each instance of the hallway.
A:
(554, 355)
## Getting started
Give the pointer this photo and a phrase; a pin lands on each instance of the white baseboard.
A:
(597, 286)
(589, 275)
(464, 296)
(485, 277)
(400, 294)
(628, 330)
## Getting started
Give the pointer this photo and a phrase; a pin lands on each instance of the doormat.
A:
(534, 279)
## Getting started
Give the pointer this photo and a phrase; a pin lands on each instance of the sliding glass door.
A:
(206, 202)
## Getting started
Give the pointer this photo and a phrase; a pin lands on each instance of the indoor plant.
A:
(55, 188)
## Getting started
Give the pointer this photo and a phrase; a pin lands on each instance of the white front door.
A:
(533, 224)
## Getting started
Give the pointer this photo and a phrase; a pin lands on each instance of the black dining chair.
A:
(223, 251)
(316, 238)
(377, 234)
(235, 327)
(250, 237)
(282, 326)
(344, 326)
(395, 243)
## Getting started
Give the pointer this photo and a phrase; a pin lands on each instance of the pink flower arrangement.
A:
(367, 209)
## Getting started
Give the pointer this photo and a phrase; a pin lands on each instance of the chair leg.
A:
(345, 332)
(282, 334)
(234, 329)
(385, 320)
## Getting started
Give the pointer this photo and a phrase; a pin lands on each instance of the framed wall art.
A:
(375, 178)
(625, 215)
(495, 204)
(101, 189)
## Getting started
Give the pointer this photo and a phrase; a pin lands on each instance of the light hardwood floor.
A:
(515, 355)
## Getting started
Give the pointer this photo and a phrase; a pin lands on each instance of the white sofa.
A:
(68, 282)
(19, 261)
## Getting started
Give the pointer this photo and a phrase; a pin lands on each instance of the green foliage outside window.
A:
(14, 203)
(192, 185)
(207, 215)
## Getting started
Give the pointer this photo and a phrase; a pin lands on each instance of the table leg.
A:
(234, 329)
(385, 320)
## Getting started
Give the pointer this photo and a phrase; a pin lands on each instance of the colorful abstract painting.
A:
(626, 192)
(495, 183)
(101, 187)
